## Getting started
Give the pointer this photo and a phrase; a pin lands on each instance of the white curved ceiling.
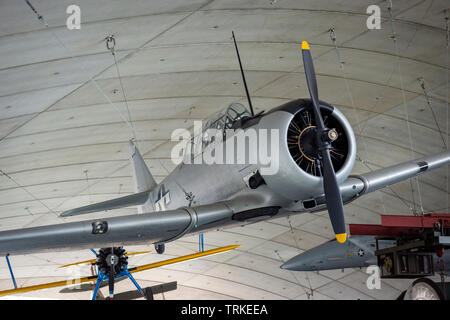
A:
(65, 146)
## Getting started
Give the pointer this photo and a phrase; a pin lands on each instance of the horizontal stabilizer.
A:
(127, 201)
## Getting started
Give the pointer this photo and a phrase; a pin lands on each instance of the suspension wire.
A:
(427, 97)
(308, 294)
(110, 45)
(91, 79)
(418, 26)
(88, 186)
(394, 39)
(341, 67)
(311, 293)
(28, 192)
(377, 100)
(333, 38)
(41, 19)
(72, 56)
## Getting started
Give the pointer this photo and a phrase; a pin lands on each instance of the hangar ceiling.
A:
(63, 145)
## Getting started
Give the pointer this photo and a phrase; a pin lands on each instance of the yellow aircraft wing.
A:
(91, 261)
(132, 270)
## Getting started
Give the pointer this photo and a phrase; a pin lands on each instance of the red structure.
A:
(417, 239)
(403, 226)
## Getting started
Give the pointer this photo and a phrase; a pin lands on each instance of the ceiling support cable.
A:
(344, 75)
(110, 45)
(293, 273)
(394, 40)
(88, 186)
(40, 18)
(333, 38)
(311, 291)
(71, 55)
(28, 192)
(427, 97)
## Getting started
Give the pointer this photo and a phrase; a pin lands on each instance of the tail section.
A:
(144, 183)
(143, 179)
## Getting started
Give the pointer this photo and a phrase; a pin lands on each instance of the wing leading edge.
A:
(358, 185)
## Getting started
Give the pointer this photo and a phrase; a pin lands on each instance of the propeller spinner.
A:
(324, 137)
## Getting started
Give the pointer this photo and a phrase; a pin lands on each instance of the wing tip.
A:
(66, 214)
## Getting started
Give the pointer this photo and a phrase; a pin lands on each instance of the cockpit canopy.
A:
(225, 119)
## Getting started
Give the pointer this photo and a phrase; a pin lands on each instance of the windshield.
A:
(225, 119)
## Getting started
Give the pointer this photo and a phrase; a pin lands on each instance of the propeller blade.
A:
(312, 83)
(333, 198)
(331, 188)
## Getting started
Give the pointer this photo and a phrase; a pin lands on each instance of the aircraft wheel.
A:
(160, 248)
(424, 289)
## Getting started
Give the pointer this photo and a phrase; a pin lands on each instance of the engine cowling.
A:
(298, 177)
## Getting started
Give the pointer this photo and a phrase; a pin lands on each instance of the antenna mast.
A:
(243, 76)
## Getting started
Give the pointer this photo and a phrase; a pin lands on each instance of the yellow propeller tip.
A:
(341, 237)
(305, 45)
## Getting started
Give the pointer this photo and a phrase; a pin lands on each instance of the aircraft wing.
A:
(153, 227)
(92, 261)
(358, 185)
(132, 270)
(124, 230)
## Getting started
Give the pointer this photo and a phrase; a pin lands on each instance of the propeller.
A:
(324, 137)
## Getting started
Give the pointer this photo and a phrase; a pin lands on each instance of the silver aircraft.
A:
(316, 147)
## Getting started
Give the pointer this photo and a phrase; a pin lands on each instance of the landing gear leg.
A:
(100, 278)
